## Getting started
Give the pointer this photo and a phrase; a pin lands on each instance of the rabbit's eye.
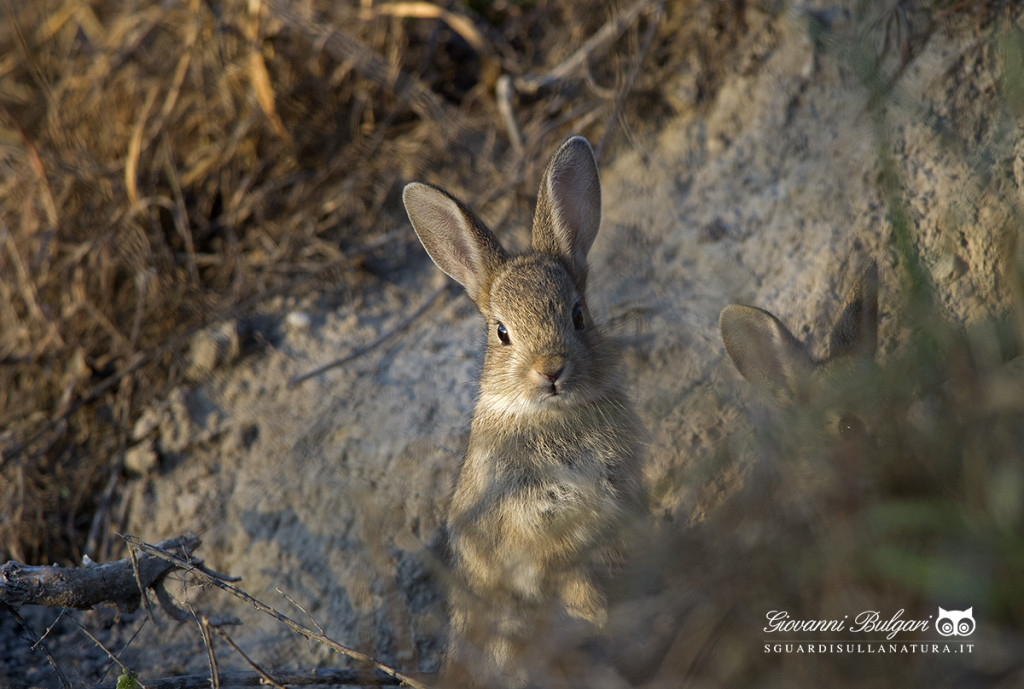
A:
(503, 334)
(850, 426)
(577, 317)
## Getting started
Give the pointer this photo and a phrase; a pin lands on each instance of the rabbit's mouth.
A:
(555, 395)
(554, 391)
(543, 398)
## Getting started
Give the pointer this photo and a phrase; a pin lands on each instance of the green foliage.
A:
(126, 681)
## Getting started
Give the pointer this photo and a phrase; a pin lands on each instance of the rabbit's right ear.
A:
(569, 206)
(764, 350)
(454, 238)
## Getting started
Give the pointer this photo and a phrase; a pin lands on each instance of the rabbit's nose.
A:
(552, 375)
(550, 368)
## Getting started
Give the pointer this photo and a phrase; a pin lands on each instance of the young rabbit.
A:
(554, 460)
(817, 456)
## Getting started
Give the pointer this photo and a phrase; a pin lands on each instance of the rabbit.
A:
(553, 469)
(816, 459)
(768, 355)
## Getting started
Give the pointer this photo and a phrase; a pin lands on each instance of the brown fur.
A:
(553, 466)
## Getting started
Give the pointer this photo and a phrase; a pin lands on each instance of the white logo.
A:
(955, 622)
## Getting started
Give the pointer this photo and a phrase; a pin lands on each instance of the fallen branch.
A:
(83, 587)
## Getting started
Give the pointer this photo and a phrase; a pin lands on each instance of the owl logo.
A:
(955, 622)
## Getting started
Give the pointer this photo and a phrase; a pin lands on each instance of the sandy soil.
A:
(332, 490)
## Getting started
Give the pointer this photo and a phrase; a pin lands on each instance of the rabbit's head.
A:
(816, 451)
(543, 349)
(768, 355)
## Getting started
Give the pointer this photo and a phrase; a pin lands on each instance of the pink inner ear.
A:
(574, 200)
(460, 261)
(447, 233)
(575, 192)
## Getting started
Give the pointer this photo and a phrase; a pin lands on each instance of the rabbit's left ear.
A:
(569, 206)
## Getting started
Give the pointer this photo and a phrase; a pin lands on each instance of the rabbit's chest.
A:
(526, 507)
(547, 479)
(526, 485)
(580, 455)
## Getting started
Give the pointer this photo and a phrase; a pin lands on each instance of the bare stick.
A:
(127, 645)
(142, 589)
(84, 587)
(304, 611)
(272, 612)
(211, 656)
(110, 654)
(365, 349)
(39, 643)
(260, 671)
(49, 629)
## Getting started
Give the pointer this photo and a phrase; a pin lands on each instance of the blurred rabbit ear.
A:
(856, 330)
(569, 206)
(764, 350)
(454, 238)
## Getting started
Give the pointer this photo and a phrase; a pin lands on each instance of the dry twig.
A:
(211, 656)
(230, 642)
(384, 337)
(110, 654)
(600, 40)
(460, 24)
(304, 611)
(40, 642)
